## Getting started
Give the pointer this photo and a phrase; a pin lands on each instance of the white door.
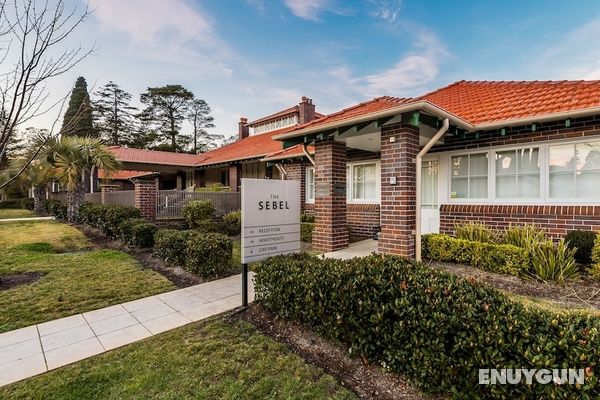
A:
(430, 211)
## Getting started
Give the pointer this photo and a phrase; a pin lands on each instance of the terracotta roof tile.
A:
(127, 154)
(123, 174)
(290, 152)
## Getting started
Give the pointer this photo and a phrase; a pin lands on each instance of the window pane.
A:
(528, 186)
(359, 190)
(562, 184)
(506, 186)
(460, 188)
(588, 184)
(460, 166)
(588, 156)
(370, 190)
(478, 187)
(528, 160)
(562, 158)
(506, 162)
(479, 164)
(370, 172)
(359, 173)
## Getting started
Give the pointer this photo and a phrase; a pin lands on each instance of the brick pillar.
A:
(398, 200)
(106, 189)
(331, 232)
(178, 182)
(235, 173)
(146, 191)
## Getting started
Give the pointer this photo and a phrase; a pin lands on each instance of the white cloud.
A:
(307, 9)
(387, 10)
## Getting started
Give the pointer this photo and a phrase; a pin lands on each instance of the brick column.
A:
(146, 191)
(399, 148)
(331, 232)
(235, 173)
(106, 189)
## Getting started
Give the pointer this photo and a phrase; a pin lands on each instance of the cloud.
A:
(387, 10)
(307, 9)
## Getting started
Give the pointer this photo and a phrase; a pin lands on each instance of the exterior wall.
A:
(398, 200)
(146, 191)
(296, 171)
(362, 220)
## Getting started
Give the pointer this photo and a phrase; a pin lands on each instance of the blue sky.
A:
(253, 57)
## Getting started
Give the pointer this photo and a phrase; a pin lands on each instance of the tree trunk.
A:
(38, 197)
(74, 201)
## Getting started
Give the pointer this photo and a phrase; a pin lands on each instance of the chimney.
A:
(306, 110)
(244, 129)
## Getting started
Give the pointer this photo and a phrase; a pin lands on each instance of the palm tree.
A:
(72, 158)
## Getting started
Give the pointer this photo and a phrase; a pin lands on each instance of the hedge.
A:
(306, 231)
(433, 327)
(107, 217)
(198, 213)
(55, 208)
(170, 245)
(500, 258)
(137, 232)
(208, 254)
(13, 203)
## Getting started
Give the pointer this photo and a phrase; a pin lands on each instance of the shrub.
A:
(583, 242)
(307, 218)
(435, 328)
(475, 232)
(107, 217)
(209, 254)
(552, 262)
(197, 212)
(306, 231)
(170, 245)
(500, 258)
(594, 270)
(232, 223)
(12, 203)
(27, 204)
(526, 236)
(215, 187)
(137, 232)
(55, 208)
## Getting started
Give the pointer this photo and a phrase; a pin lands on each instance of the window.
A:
(363, 181)
(469, 176)
(310, 185)
(574, 170)
(429, 184)
(518, 173)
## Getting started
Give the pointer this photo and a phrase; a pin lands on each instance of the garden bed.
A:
(14, 280)
(367, 381)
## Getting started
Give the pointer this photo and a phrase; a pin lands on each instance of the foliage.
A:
(500, 258)
(107, 217)
(475, 231)
(526, 237)
(433, 327)
(55, 208)
(170, 245)
(197, 212)
(200, 118)
(27, 204)
(552, 262)
(594, 270)
(137, 232)
(307, 218)
(215, 187)
(114, 116)
(232, 223)
(12, 203)
(167, 107)
(306, 231)
(78, 120)
(209, 254)
(583, 242)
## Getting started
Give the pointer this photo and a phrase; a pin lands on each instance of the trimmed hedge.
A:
(501, 258)
(208, 254)
(306, 231)
(107, 217)
(583, 241)
(137, 232)
(433, 327)
(170, 245)
(232, 223)
(55, 208)
(12, 203)
(198, 213)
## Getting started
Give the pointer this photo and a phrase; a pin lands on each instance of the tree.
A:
(78, 119)
(167, 107)
(32, 54)
(114, 116)
(200, 118)
(70, 158)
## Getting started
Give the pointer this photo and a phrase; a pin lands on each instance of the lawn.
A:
(220, 359)
(75, 279)
(16, 213)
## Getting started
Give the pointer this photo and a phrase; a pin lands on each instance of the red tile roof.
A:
(290, 152)
(123, 174)
(131, 155)
(480, 102)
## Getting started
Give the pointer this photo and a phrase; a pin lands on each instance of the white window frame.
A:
(308, 198)
(468, 176)
(350, 184)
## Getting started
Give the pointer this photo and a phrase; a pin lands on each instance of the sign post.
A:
(270, 222)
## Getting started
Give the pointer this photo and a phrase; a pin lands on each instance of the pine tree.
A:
(167, 107)
(200, 118)
(113, 115)
(78, 117)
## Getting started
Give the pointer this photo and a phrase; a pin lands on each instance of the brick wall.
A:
(362, 219)
(555, 220)
(398, 201)
(146, 191)
(296, 171)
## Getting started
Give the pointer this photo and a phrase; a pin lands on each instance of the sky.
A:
(254, 57)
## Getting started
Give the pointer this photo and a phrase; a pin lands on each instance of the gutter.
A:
(419, 162)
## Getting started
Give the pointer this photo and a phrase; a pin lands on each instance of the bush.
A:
(170, 245)
(526, 236)
(475, 232)
(594, 270)
(209, 254)
(554, 262)
(27, 204)
(232, 223)
(55, 208)
(137, 232)
(306, 231)
(107, 217)
(583, 242)
(307, 218)
(197, 212)
(215, 187)
(500, 258)
(12, 203)
(435, 328)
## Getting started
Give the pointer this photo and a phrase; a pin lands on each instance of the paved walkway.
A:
(39, 348)
(356, 249)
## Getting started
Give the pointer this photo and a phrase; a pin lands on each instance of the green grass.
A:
(207, 360)
(16, 213)
(76, 279)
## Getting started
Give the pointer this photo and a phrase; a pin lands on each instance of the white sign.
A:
(270, 218)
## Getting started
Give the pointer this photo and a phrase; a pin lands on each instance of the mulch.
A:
(368, 381)
(14, 280)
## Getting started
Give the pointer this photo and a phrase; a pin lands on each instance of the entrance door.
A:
(430, 211)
